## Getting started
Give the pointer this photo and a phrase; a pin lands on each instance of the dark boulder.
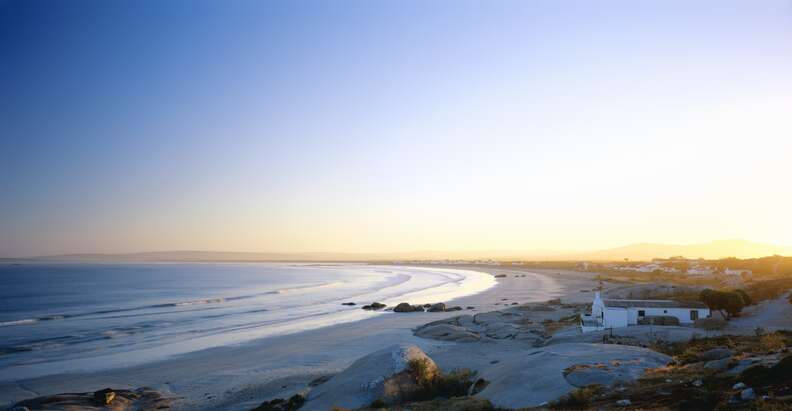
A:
(374, 306)
(104, 397)
(436, 308)
(117, 400)
(407, 308)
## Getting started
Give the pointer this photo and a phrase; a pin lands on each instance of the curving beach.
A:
(240, 373)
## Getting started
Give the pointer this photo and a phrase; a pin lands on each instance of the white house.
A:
(622, 313)
(700, 270)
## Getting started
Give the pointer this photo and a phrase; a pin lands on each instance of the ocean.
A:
(63, 317)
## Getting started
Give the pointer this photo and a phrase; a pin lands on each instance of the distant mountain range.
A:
(634, 252)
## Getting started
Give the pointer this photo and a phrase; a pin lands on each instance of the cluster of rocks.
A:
(409, 308)
(374, 306)
(743, 393)
(108, 398)
(527, 323)
(722, 359)
(432, 308)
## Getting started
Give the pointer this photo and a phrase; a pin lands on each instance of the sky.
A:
(374, 126)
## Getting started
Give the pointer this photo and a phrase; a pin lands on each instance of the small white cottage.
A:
(622, 313)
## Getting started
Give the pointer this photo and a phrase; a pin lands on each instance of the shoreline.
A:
(420, 285)
(242, 375)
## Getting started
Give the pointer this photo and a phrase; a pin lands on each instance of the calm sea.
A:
(77, 316)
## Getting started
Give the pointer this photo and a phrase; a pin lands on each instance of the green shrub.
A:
(421, 371)
(432, 384)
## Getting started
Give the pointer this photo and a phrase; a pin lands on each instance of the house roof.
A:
(653, 304)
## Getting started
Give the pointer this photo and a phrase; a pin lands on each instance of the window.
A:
(641, 313)
(665, 311)
(693, 315)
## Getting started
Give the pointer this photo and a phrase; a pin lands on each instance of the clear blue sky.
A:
(392, 125)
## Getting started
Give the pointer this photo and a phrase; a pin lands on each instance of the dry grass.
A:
(772, 342)
(579, 398)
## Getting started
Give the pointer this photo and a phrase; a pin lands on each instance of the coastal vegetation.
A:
(728, 303)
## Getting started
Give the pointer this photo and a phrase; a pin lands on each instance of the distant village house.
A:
(606, 313)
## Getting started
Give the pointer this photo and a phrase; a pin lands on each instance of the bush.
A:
(579, 398)
(432, 384)
(729, 303)
(746, 298)
(421, 371)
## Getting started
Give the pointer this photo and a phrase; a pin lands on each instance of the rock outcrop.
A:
(532, 323)
(531, 378)
(447, 332)
(435, 308)
(407, 308)
(108, 398)
(382, 375)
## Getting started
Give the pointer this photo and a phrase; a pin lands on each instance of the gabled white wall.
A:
(615, 317)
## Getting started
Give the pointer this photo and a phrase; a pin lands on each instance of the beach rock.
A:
(374, 306)
(609, 373)
(748, 394)
(467, 322)
(623, 403)
(104, 397)
(382, 375)
(454, 308)
(447, 332)
(435, 308)
(716, 353)
(498, 317)
(529, 377)
(407, 308)
(500, 276)
(118, 400)
(501, 331)
(757, 361)
(718, 365)
(738, 386)
(279, 404)
(470, 307)
(350, 303)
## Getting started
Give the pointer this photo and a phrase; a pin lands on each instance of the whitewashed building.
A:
(622, 313)
(700, 270)
(737, 271)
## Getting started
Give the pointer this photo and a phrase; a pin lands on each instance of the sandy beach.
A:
(239, 377)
